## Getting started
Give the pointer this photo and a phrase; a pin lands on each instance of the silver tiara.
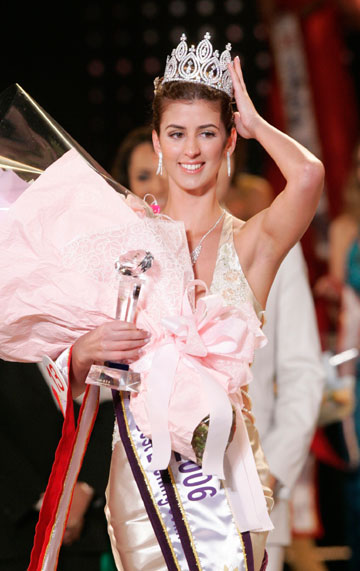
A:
(198, 65)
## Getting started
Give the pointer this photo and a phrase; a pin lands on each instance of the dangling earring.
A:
(228, 164)
(159, 169)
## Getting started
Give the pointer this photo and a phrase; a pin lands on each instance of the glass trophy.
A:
(130, 267)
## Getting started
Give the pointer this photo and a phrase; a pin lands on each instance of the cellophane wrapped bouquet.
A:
(64, 223)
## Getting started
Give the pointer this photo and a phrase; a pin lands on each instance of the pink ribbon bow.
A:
(218, 342)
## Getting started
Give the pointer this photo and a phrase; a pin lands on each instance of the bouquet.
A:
(64, 222)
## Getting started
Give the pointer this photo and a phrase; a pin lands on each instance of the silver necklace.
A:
(196, 251)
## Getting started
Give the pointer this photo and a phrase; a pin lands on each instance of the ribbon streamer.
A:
(218, 343)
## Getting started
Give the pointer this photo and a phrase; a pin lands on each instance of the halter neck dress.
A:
(132, 537)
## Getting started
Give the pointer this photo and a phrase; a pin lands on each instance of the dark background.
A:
(91, 65)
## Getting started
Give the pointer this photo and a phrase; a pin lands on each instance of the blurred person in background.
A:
(243, 194)
(288, 388)
(31, 425)
(135, 166)
(288, 372)
(342, 284)
(343, 232)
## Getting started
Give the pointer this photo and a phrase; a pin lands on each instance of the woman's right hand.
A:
(112, 341)
(246, 114)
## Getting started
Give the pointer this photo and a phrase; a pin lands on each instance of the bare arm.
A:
(270, 234)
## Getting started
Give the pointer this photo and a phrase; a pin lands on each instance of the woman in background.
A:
(136, 163)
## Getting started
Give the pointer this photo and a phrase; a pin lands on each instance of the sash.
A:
(189, 511)
(68, 460)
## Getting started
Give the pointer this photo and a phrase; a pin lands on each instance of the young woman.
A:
(194, 128)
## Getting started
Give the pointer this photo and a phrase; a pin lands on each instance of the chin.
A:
(193, 182)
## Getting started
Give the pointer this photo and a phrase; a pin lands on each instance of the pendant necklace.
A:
(196, 251)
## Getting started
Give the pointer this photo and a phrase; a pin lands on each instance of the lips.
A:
(191, 167)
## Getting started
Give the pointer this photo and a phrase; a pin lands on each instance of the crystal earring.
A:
(228, 164)
(159, 169)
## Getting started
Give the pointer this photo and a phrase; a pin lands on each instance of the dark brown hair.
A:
(186, 91)
(120, 166)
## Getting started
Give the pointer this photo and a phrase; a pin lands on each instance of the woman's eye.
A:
(176, 134)
(143, 176)
(208, 134)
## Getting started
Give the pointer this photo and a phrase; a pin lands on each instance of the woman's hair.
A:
(186, 91)
(120, 166)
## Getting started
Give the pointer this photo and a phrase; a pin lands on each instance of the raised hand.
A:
(246, 115)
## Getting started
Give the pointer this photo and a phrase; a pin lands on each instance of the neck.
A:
(197, 212)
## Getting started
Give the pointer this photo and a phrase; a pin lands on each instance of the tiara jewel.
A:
(198, 64)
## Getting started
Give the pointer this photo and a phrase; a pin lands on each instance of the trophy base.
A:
(113, 378)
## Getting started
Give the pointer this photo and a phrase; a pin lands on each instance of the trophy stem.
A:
(117, 375)
(128, 296)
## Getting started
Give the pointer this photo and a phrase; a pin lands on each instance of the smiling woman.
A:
(193, 139)
(214, 517)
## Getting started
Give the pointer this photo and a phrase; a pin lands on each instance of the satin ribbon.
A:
(69, 455)
(218, 342)
(200, 502)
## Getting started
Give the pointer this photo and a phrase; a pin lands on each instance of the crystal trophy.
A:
(130, 267)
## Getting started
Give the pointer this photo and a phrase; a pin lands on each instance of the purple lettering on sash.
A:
(201, 493)
(189, 466)
(196, 478)
(189, 480)
(163, 502)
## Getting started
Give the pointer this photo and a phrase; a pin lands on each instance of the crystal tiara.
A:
(198, 65)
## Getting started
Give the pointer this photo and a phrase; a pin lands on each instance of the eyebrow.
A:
(172, 126)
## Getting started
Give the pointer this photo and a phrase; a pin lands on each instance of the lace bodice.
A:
(228, 279)
(230, 282)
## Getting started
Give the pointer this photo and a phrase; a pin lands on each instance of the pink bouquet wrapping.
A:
(58, 245)
(64, 223)
(12, 186)
(59, 239)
